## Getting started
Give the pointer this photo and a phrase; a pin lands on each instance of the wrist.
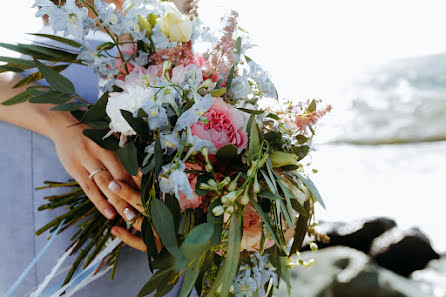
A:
(57, 123)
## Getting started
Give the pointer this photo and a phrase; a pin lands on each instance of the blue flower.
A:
(193, 114)
(156, 115)
(174, 180)
(169, 143)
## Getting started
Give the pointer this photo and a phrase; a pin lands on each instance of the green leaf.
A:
(51, 98)
(230, 77)
(97, 111)
(218, 92)
(158, 280)
(149, 240)
(36, 76)
(312, 106)
(254, 139)
(189, 280)
(301, 139)
(110, 143)
(269, 195)
(197, 241)
(139, 125)
(158, 156)
(266, 221)
(251, 111)
(232, 256)
(203, 178)
(56, 54)
(164, 225)
(129, 158)
(287, 213)
(22, 50)
(300, 230)
(288, 196)
(273, 116)
(56, 80)
(227, 152)
(59, 39)
(19, 98)
(248, 59)
(174, 206)
(310, 185)
(72, 106)
(217, 222)
(270, 184)
(273, 136)
(19, 63)
(301, 151)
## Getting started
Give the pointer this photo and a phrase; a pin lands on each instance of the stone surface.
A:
(403, 251)
(345, 272)
(358, 234)
(433, 276)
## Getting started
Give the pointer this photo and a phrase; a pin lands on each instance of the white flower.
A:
(240, 88)
(169, 143)
(106, 13)
(160, 40)
(156, 115)
(174, 180)
(175, 25)
(104, 66)
(193, 114)
(69, 18)
(262, 80)
(245, 286)
(196, 143)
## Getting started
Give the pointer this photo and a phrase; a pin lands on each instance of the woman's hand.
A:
(133, 197)
(80, 157)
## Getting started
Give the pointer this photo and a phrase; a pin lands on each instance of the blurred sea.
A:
(382, 65)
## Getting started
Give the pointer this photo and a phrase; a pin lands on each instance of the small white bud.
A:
(218, 210)
(256, 187)
(313, 246)
(233, 185)
(230, 209)
(212, 183)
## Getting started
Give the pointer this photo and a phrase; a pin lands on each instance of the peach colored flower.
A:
(224, 126)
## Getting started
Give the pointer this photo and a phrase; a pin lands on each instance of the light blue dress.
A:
(26, 160)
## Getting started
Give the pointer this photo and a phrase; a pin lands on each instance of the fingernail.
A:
(115, 232)
(109, 213)
(114, 186)
(129, 214)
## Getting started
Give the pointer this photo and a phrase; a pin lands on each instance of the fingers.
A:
(95, 195)
(102, 180)
(137, 179)
(117, 170)
(127, 193)
(128, 238)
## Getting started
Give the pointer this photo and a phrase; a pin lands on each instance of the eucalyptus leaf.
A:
(203, 178)
(17, 62)
(158, 280)
(110, 143)
(139, 125)
(50, 98)
(217, 222)
(269, 195)
(56, 80)
(227, 152)
(288, 196)
(19, 98)
(164, 225)
(69, 106)
(189, 280)
(300, 230)
(56, 54)
(36, 76)
(251, 111)
(232, 256)
(128, 155)
(310, 185)
(158, 156)
(97, 111)
(266, 221)
(254, 139)
(59, 39)
(197, 241)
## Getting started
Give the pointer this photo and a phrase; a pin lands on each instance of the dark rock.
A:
(403, 251)
(345, 272)
(358, 235)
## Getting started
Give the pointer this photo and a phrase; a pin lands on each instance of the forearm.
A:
(36, 117)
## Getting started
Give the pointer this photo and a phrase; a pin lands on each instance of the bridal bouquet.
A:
(223, 188)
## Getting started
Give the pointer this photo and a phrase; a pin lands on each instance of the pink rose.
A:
(195, 202)
(225, 126)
